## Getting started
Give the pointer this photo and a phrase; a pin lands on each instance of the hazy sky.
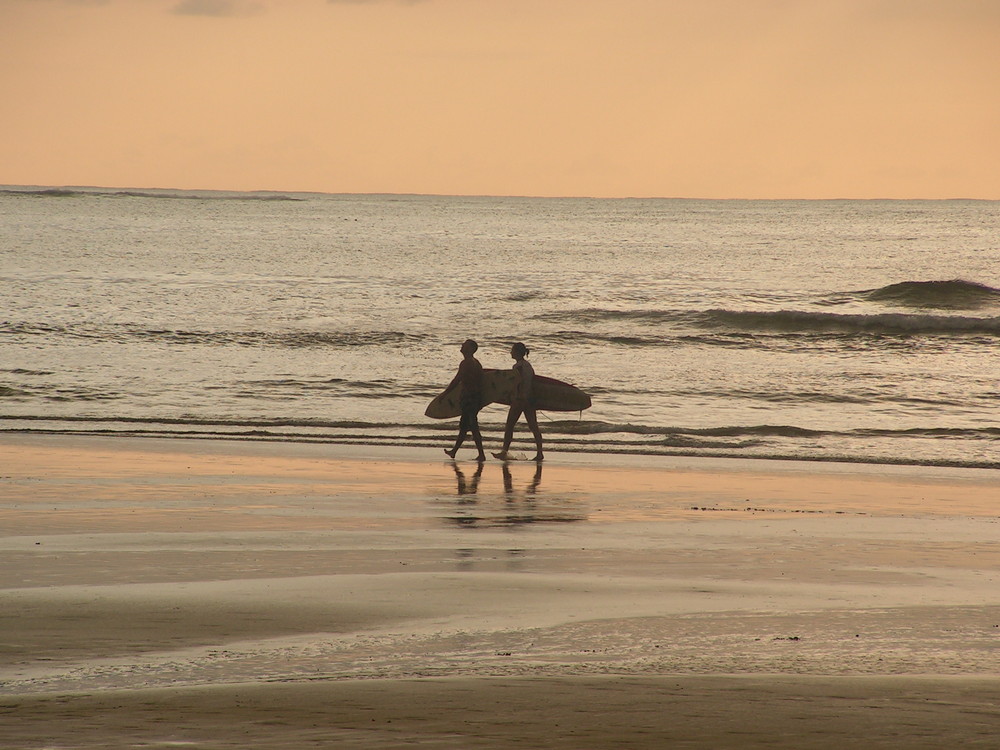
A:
(692, 98)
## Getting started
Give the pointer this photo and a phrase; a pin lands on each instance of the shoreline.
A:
(310, 594)
(554, 445)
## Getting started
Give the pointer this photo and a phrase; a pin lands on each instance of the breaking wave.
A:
(887, 324)
(777, 321)
(945, 295)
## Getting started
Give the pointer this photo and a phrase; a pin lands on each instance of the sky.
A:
(605, 98)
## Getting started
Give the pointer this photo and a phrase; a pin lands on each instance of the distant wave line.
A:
(286, 338)
(883, 323)
(737, 322)
(69, 192)
(194, 421)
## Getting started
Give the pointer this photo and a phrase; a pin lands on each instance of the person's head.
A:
(469, 347)
(519, 351)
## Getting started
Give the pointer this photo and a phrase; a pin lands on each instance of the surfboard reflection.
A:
(517, 505)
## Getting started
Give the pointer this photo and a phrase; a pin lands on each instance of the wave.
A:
(564, 427)
(525, 296)
(201, 195)
(754, 433)
(809, 397)
(280, 339)
(197, 422)
(886, 324)
(586, 337)
(22, 371)
(766, 442)
(748, 322)
(602, 315)
(597, 427)
(946, 295)
(291, 388)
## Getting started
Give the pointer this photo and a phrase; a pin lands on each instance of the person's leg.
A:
(508, 433)
(477, 436)
(532, 419)
(463, 430)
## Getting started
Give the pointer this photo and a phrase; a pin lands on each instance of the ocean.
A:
(857, 331)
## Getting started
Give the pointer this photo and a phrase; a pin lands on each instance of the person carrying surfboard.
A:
(470, 377)
(522, 402)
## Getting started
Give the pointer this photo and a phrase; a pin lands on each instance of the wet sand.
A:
(232, 594)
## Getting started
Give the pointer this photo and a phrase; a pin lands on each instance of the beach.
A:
(233, 593)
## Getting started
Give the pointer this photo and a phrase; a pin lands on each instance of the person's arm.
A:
(457, 379)
(522, 390)
(527, 386)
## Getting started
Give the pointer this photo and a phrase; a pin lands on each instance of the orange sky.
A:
(691, 98)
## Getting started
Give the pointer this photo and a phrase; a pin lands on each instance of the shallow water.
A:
(825, 330)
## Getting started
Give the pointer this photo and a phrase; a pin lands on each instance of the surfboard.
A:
(498, 388)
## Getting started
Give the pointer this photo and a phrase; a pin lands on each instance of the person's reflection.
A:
(531, 489)
(523, 512)
(518, 506)
(467, 488)
(465, 485)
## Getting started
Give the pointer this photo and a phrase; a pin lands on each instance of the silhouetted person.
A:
(522, 402)
(470, 377)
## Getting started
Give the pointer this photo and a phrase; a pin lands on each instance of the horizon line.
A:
(10, 188)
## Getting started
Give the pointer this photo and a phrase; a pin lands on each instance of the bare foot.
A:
(481, 457)
(538, 457)
(502, 455)
(450, 454)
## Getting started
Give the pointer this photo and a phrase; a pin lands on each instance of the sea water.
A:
(864, 331)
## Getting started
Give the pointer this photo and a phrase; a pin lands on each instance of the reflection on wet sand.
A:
(466, 486)
(508, 479)
(513, 507)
